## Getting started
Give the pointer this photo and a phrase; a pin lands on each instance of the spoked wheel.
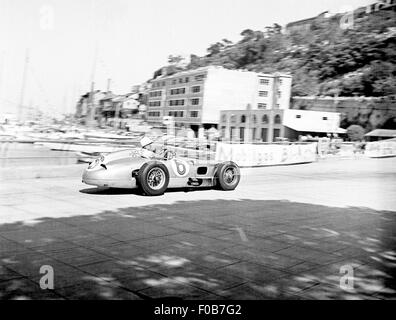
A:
(153, 178)
(228, 176)
(156, 178)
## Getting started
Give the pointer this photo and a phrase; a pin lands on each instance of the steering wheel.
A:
(168, 154)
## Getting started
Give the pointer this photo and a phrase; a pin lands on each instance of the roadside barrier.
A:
(383, 148)
(253, 155)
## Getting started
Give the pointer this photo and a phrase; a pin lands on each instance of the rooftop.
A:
(381, 133)
(207, 68)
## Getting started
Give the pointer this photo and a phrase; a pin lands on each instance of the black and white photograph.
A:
(179, 151)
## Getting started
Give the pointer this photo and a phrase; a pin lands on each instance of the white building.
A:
(195, 97)
(270, 125)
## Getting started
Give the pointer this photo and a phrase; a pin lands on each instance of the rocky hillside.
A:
(324, 60)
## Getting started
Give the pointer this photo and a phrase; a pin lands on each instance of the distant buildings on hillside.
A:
(306, 24)
(108, 109)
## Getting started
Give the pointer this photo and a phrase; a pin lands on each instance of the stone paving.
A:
(248, 244)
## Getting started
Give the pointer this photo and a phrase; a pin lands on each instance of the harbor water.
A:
(15, 154)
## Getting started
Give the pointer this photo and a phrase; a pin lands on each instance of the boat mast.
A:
(21, 101)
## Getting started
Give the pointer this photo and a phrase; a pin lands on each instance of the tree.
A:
(215, 48)
(277, 28)
(272, 30)
(227, 43)
(247, 34)
(175, 59)
(355, 132)
(324, 60)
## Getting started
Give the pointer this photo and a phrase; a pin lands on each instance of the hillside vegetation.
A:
(324, 60)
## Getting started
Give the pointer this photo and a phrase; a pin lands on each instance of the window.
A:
(263, 93)
(264, 81)
(176, 102)
(199, 77)
(180, 80)
(242, 134)
(264, 134)
(232, 133)
(195, 89)
(324, 118)
(193, 114)
(154, 114)
(223, 131)
(264, 119)
(276, 133)
(279, 94)
(195, 101)
(174, 81)
(176, 114)
(153, 94)
(277, 106)
(243, 118)
(187, 79)
(232, 118)
(277, 119)
(177, 91)
(254, 119)
(155, 104)
(223, 118)
(298, 116)
(262, 106)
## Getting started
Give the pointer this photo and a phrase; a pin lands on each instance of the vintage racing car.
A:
(153, 174)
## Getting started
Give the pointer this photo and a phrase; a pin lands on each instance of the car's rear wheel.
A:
(228, 176)
(153, 178)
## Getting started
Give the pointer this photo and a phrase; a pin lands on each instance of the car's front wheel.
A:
(153, 178)
(228, 176)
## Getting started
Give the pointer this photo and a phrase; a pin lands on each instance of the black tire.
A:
(228, 176)
(149, 171)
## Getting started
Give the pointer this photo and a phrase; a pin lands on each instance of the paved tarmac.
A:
(287, 232)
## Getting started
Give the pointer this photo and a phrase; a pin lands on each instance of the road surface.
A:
(312, 231)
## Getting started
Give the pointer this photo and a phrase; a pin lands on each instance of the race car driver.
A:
(149, 151)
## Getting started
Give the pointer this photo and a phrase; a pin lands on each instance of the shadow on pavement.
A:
(245, 249)
(118, 191)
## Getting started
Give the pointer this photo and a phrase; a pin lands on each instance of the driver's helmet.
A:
(145, 141)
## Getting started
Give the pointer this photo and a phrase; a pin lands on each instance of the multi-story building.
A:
(268, 125)
(88, 109)
(194, 98)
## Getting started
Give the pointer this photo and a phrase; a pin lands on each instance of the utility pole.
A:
(23, 87)
(91, 113)
(1, 74)
(117, 111)
(91, 104)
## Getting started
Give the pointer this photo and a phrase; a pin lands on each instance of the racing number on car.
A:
(181, 168)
